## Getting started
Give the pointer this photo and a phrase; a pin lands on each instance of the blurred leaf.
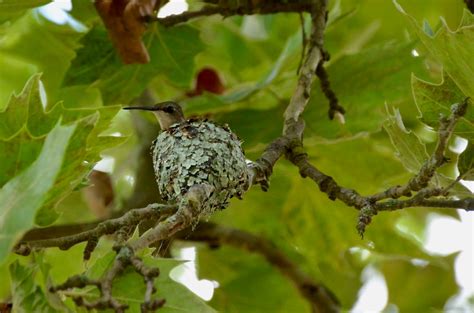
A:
(172, 52)
(10, 9)
(247, 283)
(23, 195)
(27, 296)
(178, 297)
(363, 82)
(84, 11)
(466, 162)
(453, 49)
(435, 100)
(209, 102)
(256, 127)
(406, 278)
(44, 46)
(14, 72)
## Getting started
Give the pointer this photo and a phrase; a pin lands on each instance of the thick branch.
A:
(129, 219)
(320, 298)
(264, 8)
(325, 183)
(293, 124)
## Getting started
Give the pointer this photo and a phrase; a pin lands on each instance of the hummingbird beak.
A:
(144, 108)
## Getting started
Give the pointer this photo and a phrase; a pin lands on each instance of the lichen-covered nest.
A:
(197, 152)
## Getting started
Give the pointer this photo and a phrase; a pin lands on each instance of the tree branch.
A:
(313, 57)
(291, 145)
(130, 219)
(263, 8)
(124, 259)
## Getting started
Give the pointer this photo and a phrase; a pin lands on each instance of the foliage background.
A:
(60, 122)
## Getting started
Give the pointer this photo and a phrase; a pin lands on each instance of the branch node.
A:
(90, 247)
(364, 219)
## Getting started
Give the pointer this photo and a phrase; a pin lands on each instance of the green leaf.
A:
(23, 195)
(18, 154)
(363, 82)
(25, 124)
(14, 72)
(435, 100)
(178, 297)
(172, 52)
(406, 278)
(247, 283)
(453, 49)
(44, 46)
(73, 170)
(466, 162)
(84, 11)
(210, 102)
(410, 150)
(27, 296)
(13, 8)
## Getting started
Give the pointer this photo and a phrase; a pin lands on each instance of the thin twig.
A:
(124, 259)
(335, 109)
(314, 56)
(304, 41)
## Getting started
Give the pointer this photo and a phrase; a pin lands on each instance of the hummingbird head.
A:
(167, 113)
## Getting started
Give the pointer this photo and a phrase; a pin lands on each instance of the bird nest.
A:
(200, 152)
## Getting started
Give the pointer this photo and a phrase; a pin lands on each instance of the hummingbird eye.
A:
(168, 109)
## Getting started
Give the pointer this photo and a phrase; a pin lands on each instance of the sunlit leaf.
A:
(13, 8)
(453, 49)
(25, 124)
(27, 296)
(23, 195)
(411, 151)
(44, 46)
(466, 162)
(436, 100)
(405, 278)
(363, 83)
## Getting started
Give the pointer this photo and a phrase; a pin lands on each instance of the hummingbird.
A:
(194, 152)
(167, 113)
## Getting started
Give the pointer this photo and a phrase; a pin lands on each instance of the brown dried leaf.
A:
(100, 194)
(125, 22)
